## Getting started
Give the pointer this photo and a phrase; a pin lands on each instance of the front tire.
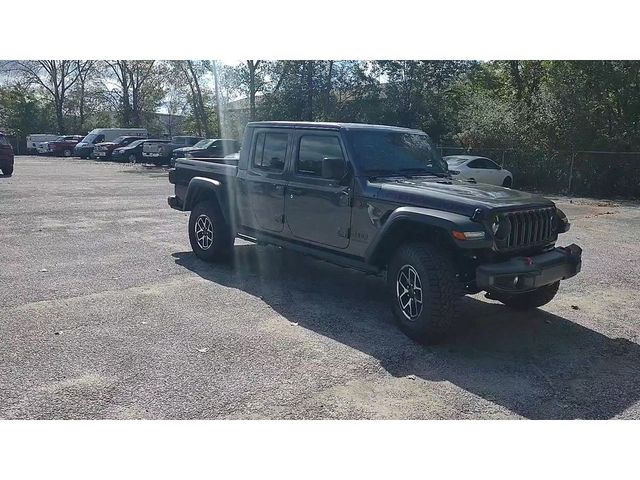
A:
(530, 300)
(209, 234)
(507, 182)
(67, 153)
(133, 158)
(8, 171)
(424, 292)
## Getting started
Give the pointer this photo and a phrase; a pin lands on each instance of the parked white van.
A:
(84, 149)
(35, 138)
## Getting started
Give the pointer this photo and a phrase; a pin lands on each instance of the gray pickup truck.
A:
(378, 199)
(159, 152)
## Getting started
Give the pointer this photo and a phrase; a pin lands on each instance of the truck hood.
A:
(454, 195)
(185, 149)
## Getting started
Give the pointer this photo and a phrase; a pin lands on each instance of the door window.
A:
(313, 149)
(270, 151)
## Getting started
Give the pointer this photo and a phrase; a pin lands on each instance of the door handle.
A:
(344, 196)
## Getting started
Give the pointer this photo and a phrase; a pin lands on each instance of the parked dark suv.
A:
(102, 151)
(379, 199)
(6, 155)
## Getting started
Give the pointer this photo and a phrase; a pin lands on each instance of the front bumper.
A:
(522, 274)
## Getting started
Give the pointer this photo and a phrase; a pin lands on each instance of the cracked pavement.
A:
(106, 313)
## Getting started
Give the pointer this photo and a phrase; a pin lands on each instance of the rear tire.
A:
(209, 234)
(423, 291)
(8, 171)
(530, 300)
(507, 182)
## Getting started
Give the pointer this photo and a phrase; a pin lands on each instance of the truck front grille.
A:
(527, 228)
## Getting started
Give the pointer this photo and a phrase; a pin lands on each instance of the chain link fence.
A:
(580, 173)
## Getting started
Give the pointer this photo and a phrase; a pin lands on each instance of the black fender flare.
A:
(200, 188)
(443, 221)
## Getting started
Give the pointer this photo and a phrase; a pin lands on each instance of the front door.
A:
(318, 209)
(264, 183)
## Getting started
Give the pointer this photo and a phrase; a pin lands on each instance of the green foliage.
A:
(22, 113)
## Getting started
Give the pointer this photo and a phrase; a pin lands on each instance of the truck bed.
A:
(188, 168)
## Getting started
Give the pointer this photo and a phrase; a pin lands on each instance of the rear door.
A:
(264, 183)
(476, 170)
(318, 209)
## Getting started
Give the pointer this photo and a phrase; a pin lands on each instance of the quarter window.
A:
(315, 148)
(271, 151)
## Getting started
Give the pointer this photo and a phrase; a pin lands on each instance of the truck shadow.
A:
(536, 364)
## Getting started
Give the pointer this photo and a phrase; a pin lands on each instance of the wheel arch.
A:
(414, 224)
(207, 189)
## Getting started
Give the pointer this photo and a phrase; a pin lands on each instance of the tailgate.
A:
(152, 147)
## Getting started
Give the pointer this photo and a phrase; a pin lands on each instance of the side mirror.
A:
(333, 168)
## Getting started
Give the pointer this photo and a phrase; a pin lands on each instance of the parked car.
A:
(103, 150)
(478, 169)
(160, 152)
(132, 153)
(6, 155)
(84, 149)
(61, 147)
(379, 199)
(35, 138)
(207, 148)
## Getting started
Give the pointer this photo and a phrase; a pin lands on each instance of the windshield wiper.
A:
(382, 172)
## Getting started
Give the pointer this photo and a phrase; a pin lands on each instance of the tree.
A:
(191, 73)
(85, 69)
(137, 83)
(22, 113)
(54, 77)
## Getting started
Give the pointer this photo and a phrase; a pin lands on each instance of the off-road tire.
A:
(221, 243)
(440, 292)
(8, 171)
(533, 299)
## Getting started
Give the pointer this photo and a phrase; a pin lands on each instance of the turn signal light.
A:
(467, 235)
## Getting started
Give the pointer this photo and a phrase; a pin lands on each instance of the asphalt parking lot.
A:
(106, 313)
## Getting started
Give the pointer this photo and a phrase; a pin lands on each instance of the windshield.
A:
(135, 143)
(455, 161)
(387, 152)
(203, 143)
(90, 138)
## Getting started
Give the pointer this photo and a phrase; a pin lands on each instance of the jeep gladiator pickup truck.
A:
(378, 199)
